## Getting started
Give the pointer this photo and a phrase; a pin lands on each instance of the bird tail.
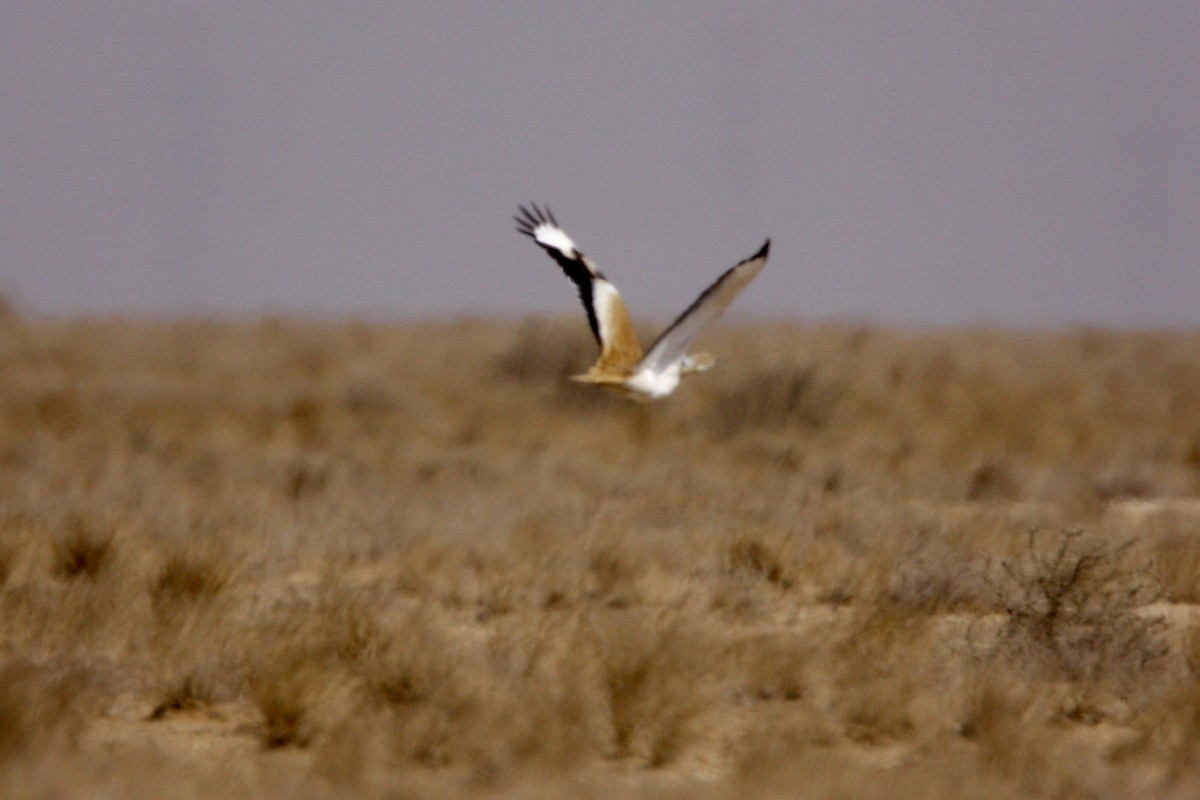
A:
(697, 362)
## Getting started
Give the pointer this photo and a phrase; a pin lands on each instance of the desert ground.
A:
(273, 557)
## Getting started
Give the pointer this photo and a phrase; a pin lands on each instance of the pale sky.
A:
(933, 162)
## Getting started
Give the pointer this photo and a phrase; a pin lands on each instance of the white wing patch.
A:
(548, 235)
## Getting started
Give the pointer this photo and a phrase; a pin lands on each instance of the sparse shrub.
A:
(1072, 601)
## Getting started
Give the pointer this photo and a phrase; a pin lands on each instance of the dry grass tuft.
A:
(81, 552)
(194, 692)
(414, 665)
(772, 667)
(761, 557)
(287, 690)
(188, 579)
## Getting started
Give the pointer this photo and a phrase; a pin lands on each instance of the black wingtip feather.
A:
(532, 216)
(764, 250)
(523, 226)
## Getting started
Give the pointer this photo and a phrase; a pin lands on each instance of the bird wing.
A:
(673, 343)
(606, 313)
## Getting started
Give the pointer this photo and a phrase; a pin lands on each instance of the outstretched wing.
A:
(607, 316)
(675, 340)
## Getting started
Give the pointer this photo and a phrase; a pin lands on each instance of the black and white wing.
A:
(672, 344)
(606, 311)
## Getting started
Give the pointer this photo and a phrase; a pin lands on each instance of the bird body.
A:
(622, 365)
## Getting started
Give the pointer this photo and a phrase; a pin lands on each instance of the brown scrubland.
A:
(286, 558)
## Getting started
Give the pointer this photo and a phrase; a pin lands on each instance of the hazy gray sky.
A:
(1021, 162)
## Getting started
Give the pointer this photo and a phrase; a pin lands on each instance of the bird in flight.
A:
(622, 365)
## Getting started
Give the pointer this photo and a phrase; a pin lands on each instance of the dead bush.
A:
(1071, 601)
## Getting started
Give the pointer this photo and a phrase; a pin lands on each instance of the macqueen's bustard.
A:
(622, 365)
